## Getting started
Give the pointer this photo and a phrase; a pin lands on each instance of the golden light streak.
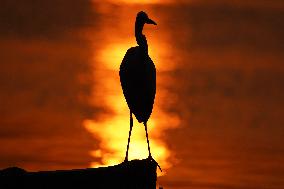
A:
(112, 132)
(111, 129)
(116, 52)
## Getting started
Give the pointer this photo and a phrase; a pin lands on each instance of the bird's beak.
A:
(149, 21)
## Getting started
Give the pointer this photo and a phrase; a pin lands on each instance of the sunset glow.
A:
(217, 120)
(112, 130)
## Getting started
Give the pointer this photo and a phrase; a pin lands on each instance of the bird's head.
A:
(143, 18)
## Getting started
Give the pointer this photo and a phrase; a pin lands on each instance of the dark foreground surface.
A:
(134, 174)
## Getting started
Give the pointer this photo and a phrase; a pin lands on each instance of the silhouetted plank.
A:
(134, 174)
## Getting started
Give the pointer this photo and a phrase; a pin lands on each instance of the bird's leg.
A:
(131, 125)
(150, 155)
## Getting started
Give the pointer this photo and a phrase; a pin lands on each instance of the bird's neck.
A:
(140, 38)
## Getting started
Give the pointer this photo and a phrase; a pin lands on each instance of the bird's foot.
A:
(152, 159)
(125, 160)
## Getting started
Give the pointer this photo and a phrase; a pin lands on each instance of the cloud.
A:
(45, 84)
(43, 18)
(220, 26)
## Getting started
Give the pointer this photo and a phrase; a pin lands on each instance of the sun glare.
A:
(111, 129)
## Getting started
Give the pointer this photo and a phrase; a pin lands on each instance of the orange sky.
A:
(217, 120)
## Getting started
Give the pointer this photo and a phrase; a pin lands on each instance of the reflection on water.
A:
(219, 86)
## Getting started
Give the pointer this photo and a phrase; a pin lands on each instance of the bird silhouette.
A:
(138, 79)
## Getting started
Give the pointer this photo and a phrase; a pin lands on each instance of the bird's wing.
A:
(127, 74)
(138, 81)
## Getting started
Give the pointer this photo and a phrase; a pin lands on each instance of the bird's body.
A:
(138, 78)
(138, 81)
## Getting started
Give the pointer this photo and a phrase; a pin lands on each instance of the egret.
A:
(138, 79)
